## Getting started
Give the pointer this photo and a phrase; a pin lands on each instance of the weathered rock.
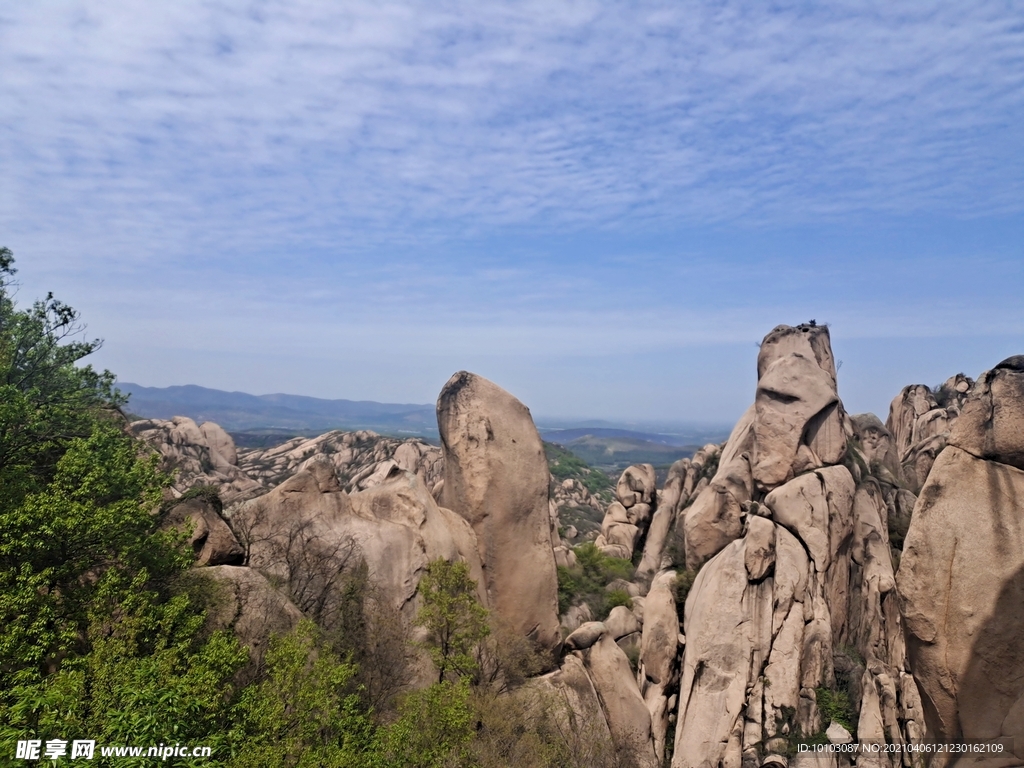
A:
(920, 428)
(586, 635)
(837, 734)
(808, 339)
(659, 666)
(961, 583)
(307, 530)
(878, 446)
(816, 508)
(360, 459)
(716, 661)
(636, 485)
(621, 622)
(186, 449)
(792, 393)
(222, 447)
(496, 477)
(212, 540)
(575, 617)
(991, 425)
(624, 707)
(573, 685)
(248, 605)
(760, 550)
(715, 518)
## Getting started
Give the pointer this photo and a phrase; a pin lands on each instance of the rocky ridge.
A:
(788, 585)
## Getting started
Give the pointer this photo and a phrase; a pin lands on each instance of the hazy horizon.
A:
(602, 208)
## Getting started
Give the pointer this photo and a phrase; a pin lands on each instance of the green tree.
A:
(434, 729)
(453, 617)
(305, 712)
(97, 629)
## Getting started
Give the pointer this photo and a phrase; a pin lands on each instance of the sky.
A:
(602, 207)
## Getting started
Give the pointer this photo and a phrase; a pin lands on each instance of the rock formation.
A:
(361, 459)
(199, 454)
(797, 625)
(209, 535)
(626, 519)
(920, 425)
(795, 594)
(961, 577)
(308, 531)
(496, 478)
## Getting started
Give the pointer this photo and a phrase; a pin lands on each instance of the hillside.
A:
(240, 412)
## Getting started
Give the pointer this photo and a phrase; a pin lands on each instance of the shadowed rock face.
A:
(496, 477)
(960, 578)
(211, 538)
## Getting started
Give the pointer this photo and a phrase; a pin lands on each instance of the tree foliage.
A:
(453, 617)
(305, 712)
(96, 632)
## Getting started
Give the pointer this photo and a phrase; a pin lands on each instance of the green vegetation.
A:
(566, 465)
(104, 633)
(681, 589)
(99, 633)
(835, 705)
(304, 712)
(455, 621)
(586, 582)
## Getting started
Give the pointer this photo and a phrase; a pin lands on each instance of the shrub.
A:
(617, 597)
(586, 581)
(835, 705)
(681, 589)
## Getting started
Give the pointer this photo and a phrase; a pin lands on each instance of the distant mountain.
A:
(566, 436)
(239, 411)
(612, 450)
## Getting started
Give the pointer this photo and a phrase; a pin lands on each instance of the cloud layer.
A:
(479, 173)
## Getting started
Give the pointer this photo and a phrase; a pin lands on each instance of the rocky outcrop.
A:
(920, 425)
(627, 518)
(249, 606)
(795, 597)
(361, 459)
(623, 706)
(796, 424)
(198, 455)
(714, 517)
(660, 642)
(207, 455)
(496, 478)
(209, 535)
(308, 532)
(961, 577)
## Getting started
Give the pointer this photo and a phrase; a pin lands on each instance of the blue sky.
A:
(600, 206)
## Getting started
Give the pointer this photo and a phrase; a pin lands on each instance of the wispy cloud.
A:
(305, 121)
(255, 161)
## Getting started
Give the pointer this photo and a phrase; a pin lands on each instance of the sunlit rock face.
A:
(496, 477)
(795, 597)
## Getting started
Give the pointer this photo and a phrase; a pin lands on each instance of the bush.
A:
(304, 713)
(835, 705)
(681, 589)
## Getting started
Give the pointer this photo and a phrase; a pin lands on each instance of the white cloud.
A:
(303, 122)
(219, 173)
